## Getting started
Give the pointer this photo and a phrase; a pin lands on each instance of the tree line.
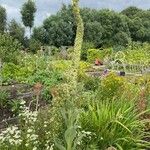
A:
(103, 28)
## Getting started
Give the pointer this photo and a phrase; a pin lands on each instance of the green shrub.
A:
(45, 77)
(91, 83)
(93, 54)
(61, 65)
(114, 123)
(54, 50)
(11, 72)
(121, 38)
(9, 48)
(85, 47)
(112, 85)
(46, 95)
(84, 66)
(34, 45)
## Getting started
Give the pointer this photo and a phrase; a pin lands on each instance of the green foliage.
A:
(103, 28)
(15, 106)
(3, 19)
(8, 71)
(114, 123)
(71, 138)
(61, 65)
(3, 99)
(111, 86)
(84, 66)
(65, 34)
(9, 48)
(84, 50)
(121, 39)
(93, 54)
(34, 45)
(131, 11)
(14, 72)
(100, 54)
(40, 34)
(94, 33)
(46, 95)
(54, 50)
(138, 54)
(45, 77)
(28, 12)
(91, 83)
(16, 31)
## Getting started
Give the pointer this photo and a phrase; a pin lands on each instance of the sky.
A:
(47, 7)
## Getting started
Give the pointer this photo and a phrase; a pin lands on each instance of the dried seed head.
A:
(37, 88)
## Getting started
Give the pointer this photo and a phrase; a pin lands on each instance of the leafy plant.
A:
(93, 54)
(46, 95)
(45, 77)
(111, 86)
(91, 83)
(3, 99)
(34, 45)
(71, 135)
(15, 105)
(9, 48)
(114, 123)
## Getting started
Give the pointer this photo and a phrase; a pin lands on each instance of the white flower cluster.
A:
(11, 135)
(25, 135)
(31, 139)
(28, 116)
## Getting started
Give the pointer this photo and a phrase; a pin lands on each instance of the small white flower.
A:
(34, 148)
(29, 130)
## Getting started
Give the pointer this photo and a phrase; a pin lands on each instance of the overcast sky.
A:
(48, 7)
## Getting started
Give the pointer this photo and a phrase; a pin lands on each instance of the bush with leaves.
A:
(112, 85)
(12, 72)
(34, 45)
(45, 77)
(100, 54)
(9, 48)
(85, 47)
(91, 83)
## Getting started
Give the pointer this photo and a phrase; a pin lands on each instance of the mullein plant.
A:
(72, 135)
(77, 48)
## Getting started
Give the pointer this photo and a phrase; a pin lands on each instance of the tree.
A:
(93, 33)
(40, 34)
(28, 13)
(60, 32)
(9, 48)
(131, 11)
(16, 31)
(121, 39)
(61, 28)
(3, 19)
(34, 45)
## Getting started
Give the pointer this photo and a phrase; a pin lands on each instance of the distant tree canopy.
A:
(16, 31)
(28, 12)
(3, 19)
(102, 27)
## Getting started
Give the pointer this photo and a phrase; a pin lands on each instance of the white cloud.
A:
(10, 9)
